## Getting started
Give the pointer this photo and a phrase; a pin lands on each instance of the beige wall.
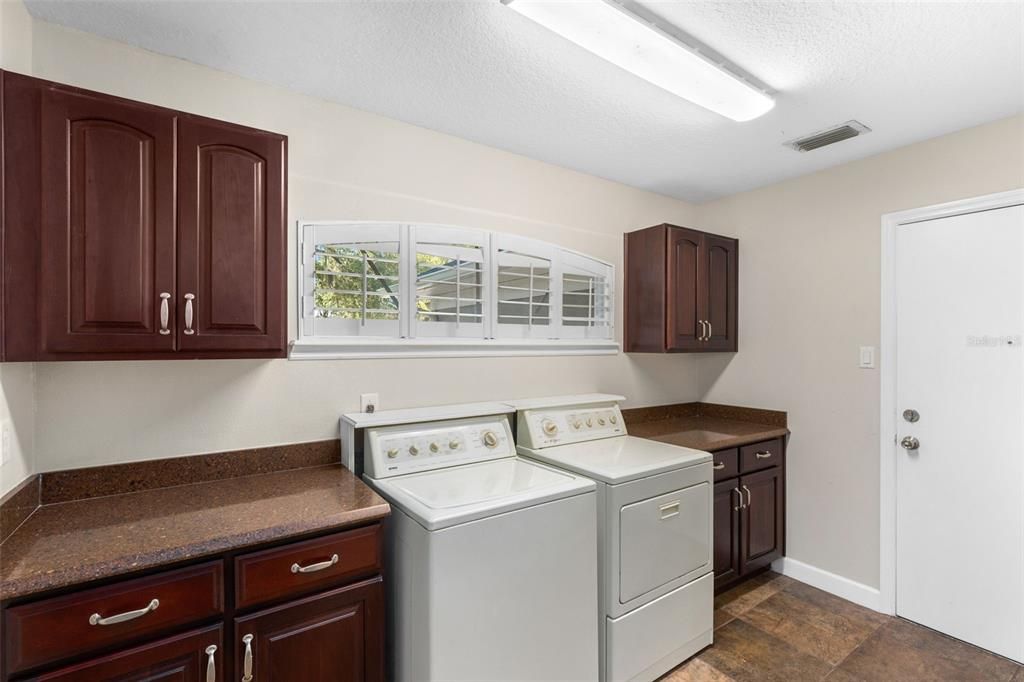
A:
(17, 406)
(809, 296)
(344, 164)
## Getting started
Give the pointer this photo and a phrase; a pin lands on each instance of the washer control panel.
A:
(546, 427)
(406, 448)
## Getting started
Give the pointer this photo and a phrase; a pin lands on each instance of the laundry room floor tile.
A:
(901, 650)
(775, 628)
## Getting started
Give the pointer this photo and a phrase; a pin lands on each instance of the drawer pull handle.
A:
(97, 619)
(211, 665)
(763, 455)
(718, 466)
(313, 568)
(247, 663)
(669, 510)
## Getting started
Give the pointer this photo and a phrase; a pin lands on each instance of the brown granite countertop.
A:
(705, 426)
(101, 537)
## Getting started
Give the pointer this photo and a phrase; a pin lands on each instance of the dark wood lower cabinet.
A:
(727, 533)
(337, 635)
(192, 624)
(749, 511)
(196, 656)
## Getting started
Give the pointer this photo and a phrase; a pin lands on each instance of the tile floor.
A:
(775, 628)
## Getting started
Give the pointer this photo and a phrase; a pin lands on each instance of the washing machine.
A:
(490, 556)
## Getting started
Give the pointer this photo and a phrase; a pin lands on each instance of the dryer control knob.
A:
(413, 450)
(490, 439)
(550, 427)
(392, 453)
(434, 447)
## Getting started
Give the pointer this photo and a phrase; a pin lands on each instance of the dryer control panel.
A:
(407, 448)
(546, 427)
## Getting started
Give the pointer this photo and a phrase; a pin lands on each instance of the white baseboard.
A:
(858, 593)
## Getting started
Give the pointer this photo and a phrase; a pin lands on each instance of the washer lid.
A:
(446, 497)
(619, 459)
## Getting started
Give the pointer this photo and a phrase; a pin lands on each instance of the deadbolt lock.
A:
(911, 415)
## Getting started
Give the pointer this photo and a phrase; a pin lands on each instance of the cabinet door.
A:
(726, 532)
(196, 656)
(719, 280)
(335, 636)
(762, 520)
(232, 250)
(684, 290)
(107, 224)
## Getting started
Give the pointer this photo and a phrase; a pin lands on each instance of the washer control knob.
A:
(434, 447)
(600, 420)
(614, 419)
(490, 439)
(590, 422)
(392, 453)
(550, 427)
(413, 450)
(576, 423)
(453, 445)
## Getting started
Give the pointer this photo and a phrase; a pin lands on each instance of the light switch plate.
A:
(867, 357)
(5, 444)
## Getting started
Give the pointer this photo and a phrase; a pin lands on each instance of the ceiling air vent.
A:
(826, 137)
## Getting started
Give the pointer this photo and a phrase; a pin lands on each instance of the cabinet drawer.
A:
(305, 566)
(52, 629)
(725, 463)
(761, 455)
(195, 655)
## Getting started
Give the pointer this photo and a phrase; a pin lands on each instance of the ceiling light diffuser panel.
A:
(624, 39)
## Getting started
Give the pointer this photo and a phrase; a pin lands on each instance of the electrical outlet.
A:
(369, 402)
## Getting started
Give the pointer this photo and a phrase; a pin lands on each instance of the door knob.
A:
(910, 443)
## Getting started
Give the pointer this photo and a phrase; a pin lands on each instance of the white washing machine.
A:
(654, 514)
(490, 557)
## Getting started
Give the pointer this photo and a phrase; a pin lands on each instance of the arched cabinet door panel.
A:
(685, 290)
(108, 214)
(231, 238)
(719, 265)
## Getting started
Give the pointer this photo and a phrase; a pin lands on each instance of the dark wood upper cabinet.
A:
(231, 208)
(681, 291)
(107, 225)
(137, 232)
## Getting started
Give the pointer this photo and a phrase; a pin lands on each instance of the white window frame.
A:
(418, 338)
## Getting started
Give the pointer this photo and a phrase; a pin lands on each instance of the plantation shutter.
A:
(522, 288)
(451, 287)
(352, 283)
(586, 297)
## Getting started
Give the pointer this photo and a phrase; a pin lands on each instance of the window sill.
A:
(354, 349)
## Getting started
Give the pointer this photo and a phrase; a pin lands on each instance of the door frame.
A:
(887, 400)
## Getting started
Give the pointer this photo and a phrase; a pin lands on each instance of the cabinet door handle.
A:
(703, 330)
(211, 665)
(763, 455)
(189, 313)
(740, 496)
(708, 337)
(313, 568)
(718, 466)
(748, 495)
(247, 662)
(97, 619)
(165, 313)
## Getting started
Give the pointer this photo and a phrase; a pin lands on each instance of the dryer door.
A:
(663, 538)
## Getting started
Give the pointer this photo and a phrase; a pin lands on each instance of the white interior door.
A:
(960, 365)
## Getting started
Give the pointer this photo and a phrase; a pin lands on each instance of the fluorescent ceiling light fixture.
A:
(624, 39)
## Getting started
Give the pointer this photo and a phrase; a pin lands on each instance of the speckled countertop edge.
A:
(32, 563)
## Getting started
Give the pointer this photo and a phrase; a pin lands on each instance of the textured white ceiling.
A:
(475, 69)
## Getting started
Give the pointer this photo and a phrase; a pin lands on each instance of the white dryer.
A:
(654, 522)
(490, 556)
